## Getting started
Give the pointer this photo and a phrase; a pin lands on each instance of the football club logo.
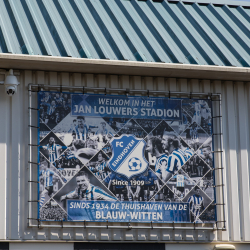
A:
(128, 156)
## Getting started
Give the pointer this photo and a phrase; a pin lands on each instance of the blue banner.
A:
(127, 211)
(121, 159)
(127, 107)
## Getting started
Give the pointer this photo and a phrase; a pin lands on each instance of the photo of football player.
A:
(51, 147)
(176, 158)
(47, 173)
(206, 154)
(98, 166)
(196, 204)
(103, 134)
(86, 191)
(84, 132)
(81, 129)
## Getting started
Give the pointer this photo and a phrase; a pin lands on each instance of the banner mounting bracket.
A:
(129, 226)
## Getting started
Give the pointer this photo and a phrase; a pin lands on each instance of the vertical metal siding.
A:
(236, 146)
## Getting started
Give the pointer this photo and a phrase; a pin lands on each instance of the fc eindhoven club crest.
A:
(128, 156)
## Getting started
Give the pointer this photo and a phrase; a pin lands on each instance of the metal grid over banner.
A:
(125, 159)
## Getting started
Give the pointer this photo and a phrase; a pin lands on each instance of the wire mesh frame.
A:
(215, 98)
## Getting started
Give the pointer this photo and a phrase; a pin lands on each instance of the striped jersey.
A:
(81, 135)
(92, 168)
(176, 160)
(196, 203)
(101, 167)
(47, 176)
(53, 150)
(92, 193)
(180, 180)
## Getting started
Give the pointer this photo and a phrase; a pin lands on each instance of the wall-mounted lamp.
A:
(224, 247)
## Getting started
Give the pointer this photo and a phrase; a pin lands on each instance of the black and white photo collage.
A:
(74, 153)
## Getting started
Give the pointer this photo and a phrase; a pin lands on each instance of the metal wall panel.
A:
(15, 174)
(186, 32)
(41, 246)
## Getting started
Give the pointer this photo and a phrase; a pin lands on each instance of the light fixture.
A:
(224, 247)
(11, 83)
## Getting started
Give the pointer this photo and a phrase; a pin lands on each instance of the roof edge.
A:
(115, 67)
(217, 2)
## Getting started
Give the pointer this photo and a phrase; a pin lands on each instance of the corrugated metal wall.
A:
(186, 32)
(15, 173)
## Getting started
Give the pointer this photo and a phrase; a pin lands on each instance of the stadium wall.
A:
(14, 139)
